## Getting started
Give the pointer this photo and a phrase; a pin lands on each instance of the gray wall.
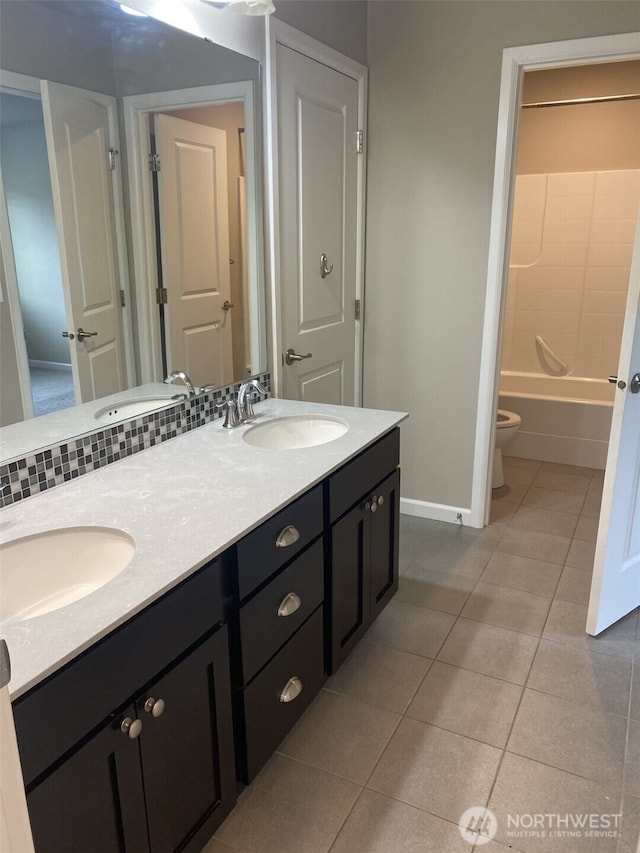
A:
(342, 24)
(433, 101)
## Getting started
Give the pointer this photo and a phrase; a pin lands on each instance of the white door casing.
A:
(615, 588)
(194, 228)
(81, 129)
(324, 92)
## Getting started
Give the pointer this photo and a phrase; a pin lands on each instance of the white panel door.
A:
(194, 225)
(81, 127)
(318, 165)
(615, 589)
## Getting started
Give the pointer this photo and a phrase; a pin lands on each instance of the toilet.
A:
(506, 428)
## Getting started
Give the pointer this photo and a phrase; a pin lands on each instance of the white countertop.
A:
(183, 502)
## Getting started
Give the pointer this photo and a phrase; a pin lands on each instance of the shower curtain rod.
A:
(600, 100)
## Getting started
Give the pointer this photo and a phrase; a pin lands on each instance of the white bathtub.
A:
(564, 418)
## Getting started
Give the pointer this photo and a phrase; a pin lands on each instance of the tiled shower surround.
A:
(51, 466)
(571, 247)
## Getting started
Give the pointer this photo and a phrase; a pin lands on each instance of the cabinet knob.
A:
(289, 535)
(155, 707)
(130, 727)
(380, 500)
(367, 506)
(289, 604)
(291, 690)
(374, 504)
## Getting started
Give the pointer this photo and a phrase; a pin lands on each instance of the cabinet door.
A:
(383, 564)
(350, 546)
(187, 750)
(94, 800)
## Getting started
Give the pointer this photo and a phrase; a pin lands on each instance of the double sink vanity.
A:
(223, 576)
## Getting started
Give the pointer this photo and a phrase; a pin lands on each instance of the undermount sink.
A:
(131, 408)
(49, 570)
(296, 431)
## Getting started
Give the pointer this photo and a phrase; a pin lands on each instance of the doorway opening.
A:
(614, 588)
(575, 200)
(195, 238)
(200, 204)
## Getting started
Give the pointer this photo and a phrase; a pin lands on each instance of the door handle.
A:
(226, 305)
(291, 356)
(634, 385)
(82, 334)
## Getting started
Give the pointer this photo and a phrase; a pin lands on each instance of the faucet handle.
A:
(231, 418)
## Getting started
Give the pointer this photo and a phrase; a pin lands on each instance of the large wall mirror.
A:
(130, 212)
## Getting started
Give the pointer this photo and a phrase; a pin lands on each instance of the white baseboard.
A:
(50, 365)
(436, 512)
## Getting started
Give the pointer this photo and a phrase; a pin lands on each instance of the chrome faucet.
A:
(180, 374)
(245, 404)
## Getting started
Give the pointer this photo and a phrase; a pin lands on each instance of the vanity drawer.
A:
(348, 485)
(267, 717)
(259, 555)
(272, 616)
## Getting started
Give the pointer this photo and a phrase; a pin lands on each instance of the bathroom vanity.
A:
(142, 709)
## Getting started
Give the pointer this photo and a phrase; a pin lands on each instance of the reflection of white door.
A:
(615, 589)
(81, 129)
(194, 226)
(318, 167)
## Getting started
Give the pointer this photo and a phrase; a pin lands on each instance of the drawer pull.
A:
(289, 604)
(130, 727)
(289, 535)
(292, 689)
(155, 707)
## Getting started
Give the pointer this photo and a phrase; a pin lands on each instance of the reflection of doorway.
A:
(615, 586)
(73, 210)
(199, 229)
(27, 186)
(227, 107)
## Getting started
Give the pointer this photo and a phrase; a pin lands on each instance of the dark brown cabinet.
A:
(363, 544)
(140, 742)
(157, 774)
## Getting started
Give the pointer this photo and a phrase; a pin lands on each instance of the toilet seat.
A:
(507, 419)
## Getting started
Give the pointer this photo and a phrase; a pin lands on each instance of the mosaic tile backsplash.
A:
(51, 466)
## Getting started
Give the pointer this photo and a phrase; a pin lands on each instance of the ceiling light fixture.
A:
(130, 11)
(245, 7)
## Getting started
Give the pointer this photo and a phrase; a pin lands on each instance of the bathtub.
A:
(564, 418)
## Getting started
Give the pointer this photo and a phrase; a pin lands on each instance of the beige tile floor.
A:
(476, 686)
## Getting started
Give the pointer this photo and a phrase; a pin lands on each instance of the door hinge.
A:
(161, 295)
(123, 300)
(154, 162)
(359, 141)
(113, 153)
(358, 309)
